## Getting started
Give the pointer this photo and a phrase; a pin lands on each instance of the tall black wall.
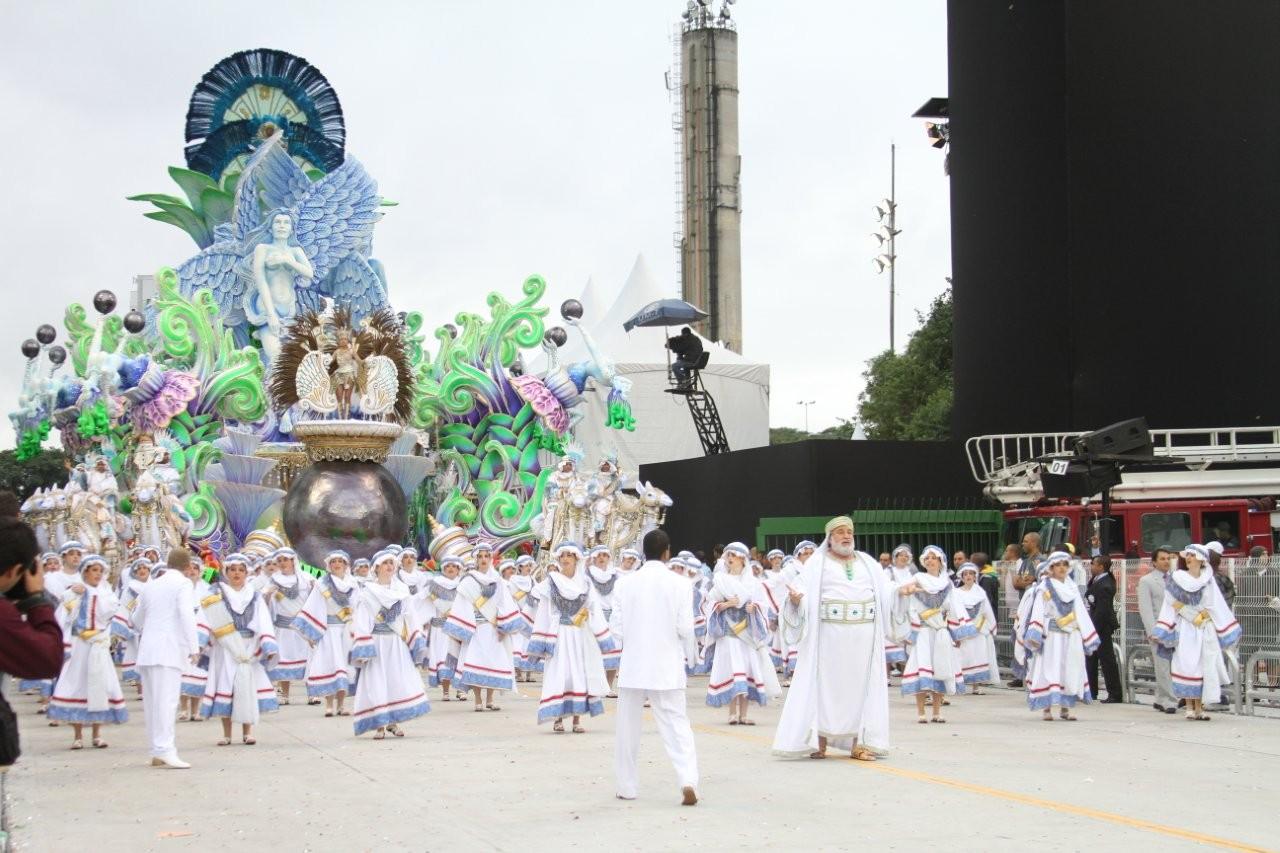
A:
(1115, 196)
(722, 498)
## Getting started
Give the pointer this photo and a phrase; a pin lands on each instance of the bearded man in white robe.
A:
(837, 613)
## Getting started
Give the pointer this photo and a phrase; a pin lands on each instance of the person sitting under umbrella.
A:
(688, 349)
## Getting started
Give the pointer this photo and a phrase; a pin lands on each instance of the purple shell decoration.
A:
(561, 384)
(543, 400)
(165, 395)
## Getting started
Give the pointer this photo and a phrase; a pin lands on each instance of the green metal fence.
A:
(880, 530)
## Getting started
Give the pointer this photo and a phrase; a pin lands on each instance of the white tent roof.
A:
(664, 428)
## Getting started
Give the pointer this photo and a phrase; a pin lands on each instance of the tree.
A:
(23, 478)
(909, 396)
(787, 435)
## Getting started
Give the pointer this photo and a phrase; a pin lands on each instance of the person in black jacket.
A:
(988, 579)
(688, 349)
(1101, 596)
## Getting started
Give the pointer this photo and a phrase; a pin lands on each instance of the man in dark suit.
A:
(1101, 596)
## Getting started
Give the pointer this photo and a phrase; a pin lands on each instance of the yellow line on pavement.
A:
(1026, 799)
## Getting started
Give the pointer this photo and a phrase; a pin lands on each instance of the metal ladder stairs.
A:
(706, 417)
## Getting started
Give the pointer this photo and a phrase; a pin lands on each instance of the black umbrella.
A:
(665, 312)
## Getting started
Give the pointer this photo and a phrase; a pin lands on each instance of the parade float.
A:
(268, 390)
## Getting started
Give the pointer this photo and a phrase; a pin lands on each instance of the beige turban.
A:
(841, 521)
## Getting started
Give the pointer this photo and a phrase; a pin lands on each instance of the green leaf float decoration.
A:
(206, 206)
(207, 514)
(191, 335)
(619, 416)
(94, 421)
(29, 444)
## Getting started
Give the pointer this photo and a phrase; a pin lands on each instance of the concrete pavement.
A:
(994, 777)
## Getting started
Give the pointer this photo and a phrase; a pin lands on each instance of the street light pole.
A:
(893, 232)
(886, 237)
(806, 404)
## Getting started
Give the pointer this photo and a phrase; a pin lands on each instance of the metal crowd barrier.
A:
(1254, 664)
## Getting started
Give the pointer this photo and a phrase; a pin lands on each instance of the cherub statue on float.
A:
(327, 367)
(313, 241)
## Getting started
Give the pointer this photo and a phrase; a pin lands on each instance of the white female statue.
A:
(278, 265)
(314, 242)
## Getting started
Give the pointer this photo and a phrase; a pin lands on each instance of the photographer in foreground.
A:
(30, 647)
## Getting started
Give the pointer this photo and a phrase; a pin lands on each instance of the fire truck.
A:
(1222, 488)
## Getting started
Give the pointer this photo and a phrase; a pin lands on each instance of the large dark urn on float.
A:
(344, 499)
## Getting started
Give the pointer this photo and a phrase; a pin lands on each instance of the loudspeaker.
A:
(1131, 437)
(1079, 479)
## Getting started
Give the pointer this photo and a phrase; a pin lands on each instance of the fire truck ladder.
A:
(1247, 460)
(706, 417)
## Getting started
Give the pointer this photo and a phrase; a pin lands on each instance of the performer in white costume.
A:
(654, 622)
(325, 622)
(1194, 626)
(386, 648)
(87, 689)
(603, 576)
(836, 614)
(741, 670)
(978, 652)
(631, 561)
(195, 677)
(482, 620)
(570, 635)
(899, 572)
(1059, 634)
(122, 623)
(166, 621)
(936, 625)
(286, 591)
(442, 650)
(242, 648)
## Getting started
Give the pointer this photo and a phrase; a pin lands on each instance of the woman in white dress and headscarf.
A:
(325, 622)
(737, 625)
(386, 648)
(442, 650)
(936, 625)
(977, 653)
(87, 689)
(1194, 626)
(570, 635)
(122, 622)
(242, 647)
(286, 591)
(1058, 634)
(899, 573)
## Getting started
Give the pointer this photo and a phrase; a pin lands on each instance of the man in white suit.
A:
(165, 618)
(653, 619)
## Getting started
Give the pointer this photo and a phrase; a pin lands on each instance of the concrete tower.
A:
(711, 244)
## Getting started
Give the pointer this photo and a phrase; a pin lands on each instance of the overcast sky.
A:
(518, 137)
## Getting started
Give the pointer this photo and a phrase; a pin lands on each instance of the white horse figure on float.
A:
(635, 515)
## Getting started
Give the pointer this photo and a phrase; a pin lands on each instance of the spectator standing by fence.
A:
(1150, 599)
(1025, 575)
(1101, 597)
(1221, 576)
(989, 581)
